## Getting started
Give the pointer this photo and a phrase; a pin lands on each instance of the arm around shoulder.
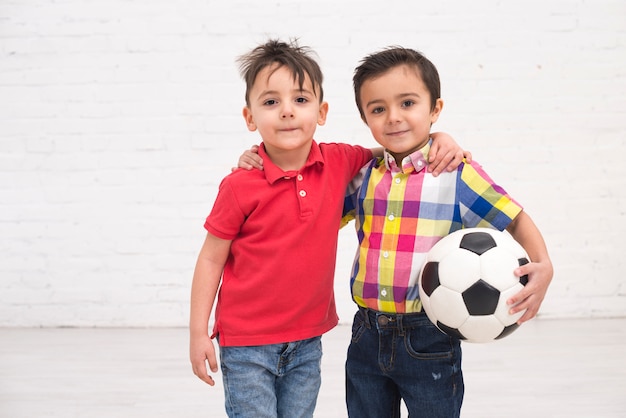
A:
(539, 270)
(377, 152)
(445, 154)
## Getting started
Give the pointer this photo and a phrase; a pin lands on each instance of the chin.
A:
(403, 151)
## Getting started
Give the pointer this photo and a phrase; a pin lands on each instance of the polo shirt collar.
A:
(274, 173)
(416, 161)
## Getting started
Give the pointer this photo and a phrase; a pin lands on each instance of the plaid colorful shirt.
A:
(401, 212)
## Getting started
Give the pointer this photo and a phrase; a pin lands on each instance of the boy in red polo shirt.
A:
(271, 245)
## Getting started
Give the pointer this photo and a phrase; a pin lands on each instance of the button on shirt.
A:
(401, 212)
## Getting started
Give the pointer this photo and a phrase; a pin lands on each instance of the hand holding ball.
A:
(466, 280)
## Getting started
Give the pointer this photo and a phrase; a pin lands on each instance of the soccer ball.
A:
(466, 280)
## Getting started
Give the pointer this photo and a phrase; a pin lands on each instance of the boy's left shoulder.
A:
(342, 151)
(332, 146)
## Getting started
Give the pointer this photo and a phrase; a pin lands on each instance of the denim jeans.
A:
(272, 381)
(394, 357)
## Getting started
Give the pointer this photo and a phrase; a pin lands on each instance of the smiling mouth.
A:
(395, 133)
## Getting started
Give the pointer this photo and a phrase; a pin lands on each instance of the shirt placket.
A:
(391, 229)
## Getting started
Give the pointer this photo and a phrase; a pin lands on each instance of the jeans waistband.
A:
(392, 321)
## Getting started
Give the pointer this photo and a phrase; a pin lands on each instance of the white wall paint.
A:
(119, 118)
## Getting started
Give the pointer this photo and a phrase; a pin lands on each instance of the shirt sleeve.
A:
(358, 157)
(352, 193)
(226, 217)
(482, 202)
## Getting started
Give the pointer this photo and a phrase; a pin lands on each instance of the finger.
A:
(437, 168)
(256, 162)
(468, 156)
(458, 159)
(523, 270)
(243, 166)
(249, 163)
(515, 304)
(432, 153)
(519, 301)
(528, 315)
(202, 374)
(213, 364)
(208, 380)
(524, 301)
(454, 162)
(250, 160)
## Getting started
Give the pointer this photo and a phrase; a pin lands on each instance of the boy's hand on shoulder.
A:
(250, 159)
(445, 154)
(531, 297)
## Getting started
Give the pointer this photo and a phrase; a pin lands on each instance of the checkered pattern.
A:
(400, 213)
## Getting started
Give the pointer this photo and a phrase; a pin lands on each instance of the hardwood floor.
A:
(548, 368)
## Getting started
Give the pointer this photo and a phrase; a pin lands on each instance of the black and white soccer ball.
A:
(466, 280)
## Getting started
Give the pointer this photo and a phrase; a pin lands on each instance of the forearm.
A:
(524, 230)
(539, 271)
(377, 152)
(206, 280)
(203, 293)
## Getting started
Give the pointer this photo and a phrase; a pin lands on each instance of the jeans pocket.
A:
(427, 342)
(358, 326)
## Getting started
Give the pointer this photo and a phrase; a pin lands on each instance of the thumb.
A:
(212, 363)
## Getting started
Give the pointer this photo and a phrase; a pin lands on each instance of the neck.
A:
(288, 160)
(399, 156)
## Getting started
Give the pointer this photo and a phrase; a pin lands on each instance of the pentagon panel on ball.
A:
(466, 280)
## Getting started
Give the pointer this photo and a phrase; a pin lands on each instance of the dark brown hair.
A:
(380, 62)
(298, 59)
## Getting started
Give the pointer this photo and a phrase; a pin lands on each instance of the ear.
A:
(247, 115)
(434, 114)
(321, 117)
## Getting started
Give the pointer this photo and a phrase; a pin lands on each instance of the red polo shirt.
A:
(277, 284)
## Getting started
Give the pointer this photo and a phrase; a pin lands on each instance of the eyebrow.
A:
(275, 92)
(398, 97)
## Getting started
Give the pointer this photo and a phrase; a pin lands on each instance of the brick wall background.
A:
(119, 118)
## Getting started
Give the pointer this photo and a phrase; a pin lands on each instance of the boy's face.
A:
(397, 110)
(285, 116)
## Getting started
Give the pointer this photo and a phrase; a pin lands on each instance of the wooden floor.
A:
(548, 368)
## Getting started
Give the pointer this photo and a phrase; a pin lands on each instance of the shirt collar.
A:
(274, 173)
(416, 161)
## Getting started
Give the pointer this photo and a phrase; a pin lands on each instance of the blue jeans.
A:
(394, 357)
(272, 381)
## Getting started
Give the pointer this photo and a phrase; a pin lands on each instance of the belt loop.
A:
(399, 322)
(366, 317)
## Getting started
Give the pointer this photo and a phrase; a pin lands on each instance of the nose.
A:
(286, 111)
(393, 115)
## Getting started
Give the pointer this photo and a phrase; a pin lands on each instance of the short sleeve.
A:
(482, 202)
(226, 217)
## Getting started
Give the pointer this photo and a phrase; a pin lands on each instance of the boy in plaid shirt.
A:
(401, 210)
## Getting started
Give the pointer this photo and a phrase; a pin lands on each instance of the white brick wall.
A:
(119, 118)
